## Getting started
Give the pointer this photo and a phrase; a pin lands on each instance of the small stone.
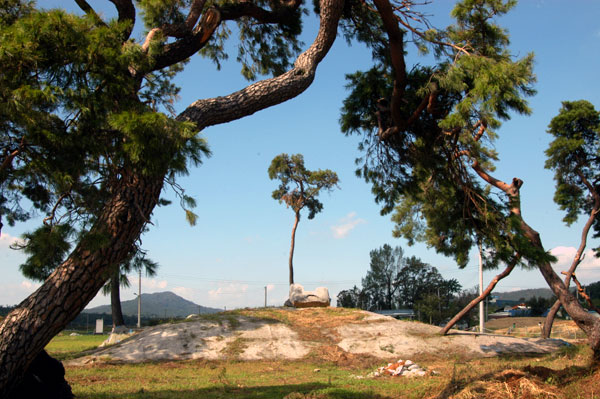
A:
(316, 370)
(408, 363)
(413, 367)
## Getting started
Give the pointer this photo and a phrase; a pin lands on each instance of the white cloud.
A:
(184, 292)
(6, 240)
(29, 286)
(588, 270)
(231, 290)
(252, 239)
(150, 284)
(346, 225)
(14, 293)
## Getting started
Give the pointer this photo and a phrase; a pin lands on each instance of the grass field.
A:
(64, 346)
(563, 375)
(530, 327)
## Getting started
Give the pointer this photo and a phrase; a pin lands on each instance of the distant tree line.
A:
(397, 282)
(394, 281)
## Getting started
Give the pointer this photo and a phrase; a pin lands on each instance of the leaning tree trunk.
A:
(115, 299)
(291, 263)
(36, 320)
(587, 322)
(480, 298)
(547, 328)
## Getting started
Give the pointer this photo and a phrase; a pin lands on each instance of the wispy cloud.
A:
(6, 240)
(150, 284)
(252, 239)
(13, 293)
(587, 271)
(184, 292)
(346, 224)
(230, 290)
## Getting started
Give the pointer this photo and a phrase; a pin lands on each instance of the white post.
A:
(481, 304)
(265, 297)
(139, 324)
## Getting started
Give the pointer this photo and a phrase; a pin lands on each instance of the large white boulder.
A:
(318, 298)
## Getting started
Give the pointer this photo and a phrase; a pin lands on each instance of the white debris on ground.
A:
(401, 368)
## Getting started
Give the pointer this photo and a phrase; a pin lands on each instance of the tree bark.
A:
(587, 322)
(480, 298)
(291, 263)
(115, 299)
(28, 328)
(36, 320)
(547, 327)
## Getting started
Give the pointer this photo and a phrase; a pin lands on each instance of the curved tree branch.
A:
(547, 328)
(191, 43)
(269, 92)
(126, 11)
(396, 45)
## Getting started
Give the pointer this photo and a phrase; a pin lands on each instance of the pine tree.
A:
(427, 134)
(299, 189)
(87, 128)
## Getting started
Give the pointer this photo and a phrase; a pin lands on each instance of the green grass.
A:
(64, 346)
(256, 380)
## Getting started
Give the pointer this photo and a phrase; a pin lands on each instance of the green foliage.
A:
(299, 187)
(539, 305)
(573, 155)
(46, 248)
(76, 119)
(263, 48)
(394, 281)
(380, 282)
(593, 290)
(423, 170)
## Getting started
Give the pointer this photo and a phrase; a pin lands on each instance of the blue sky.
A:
(241, 242)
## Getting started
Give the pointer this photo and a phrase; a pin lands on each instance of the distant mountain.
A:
(527, 294)
(160, 304)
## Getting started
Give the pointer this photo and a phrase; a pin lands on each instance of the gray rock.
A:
(120, 330)
(309, 299)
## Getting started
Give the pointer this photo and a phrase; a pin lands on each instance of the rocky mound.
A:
(288, 333)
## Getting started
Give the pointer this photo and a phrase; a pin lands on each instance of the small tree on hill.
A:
(299, 188)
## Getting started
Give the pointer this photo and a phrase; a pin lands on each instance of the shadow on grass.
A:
(297, 391)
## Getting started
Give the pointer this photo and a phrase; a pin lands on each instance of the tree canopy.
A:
(298, 189)
(89, 138)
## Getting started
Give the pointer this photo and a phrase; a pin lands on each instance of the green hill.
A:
(159, 304)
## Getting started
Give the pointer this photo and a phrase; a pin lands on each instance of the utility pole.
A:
(139, 325)
(265, 297)
(481, 304)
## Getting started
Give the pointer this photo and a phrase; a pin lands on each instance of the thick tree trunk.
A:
(115, 299)
(291, 263)
(29, 327)
(480, 298)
